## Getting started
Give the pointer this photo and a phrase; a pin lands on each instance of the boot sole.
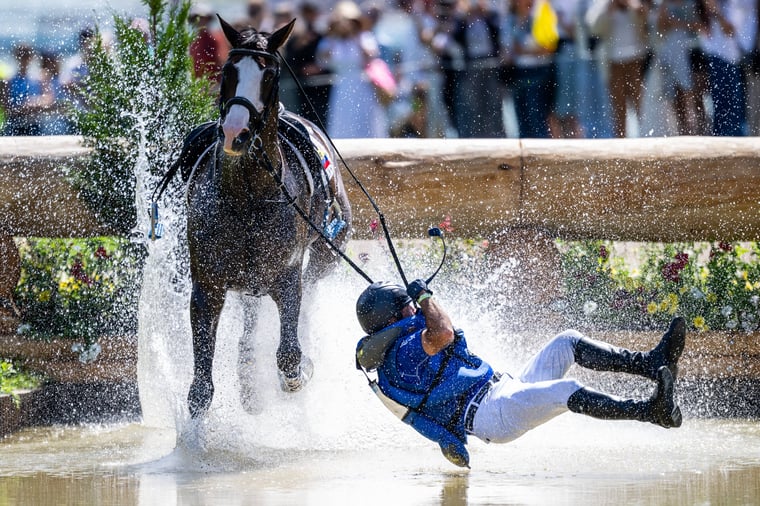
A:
(666, 412)
(676, 342)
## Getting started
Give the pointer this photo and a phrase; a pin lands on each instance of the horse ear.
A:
(233, 36)
(278, 38)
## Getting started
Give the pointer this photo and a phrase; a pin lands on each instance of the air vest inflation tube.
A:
(460, 374)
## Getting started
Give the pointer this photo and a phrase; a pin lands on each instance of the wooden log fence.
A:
(649, 189)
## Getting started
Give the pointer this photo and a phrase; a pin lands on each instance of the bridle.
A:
(256, 120)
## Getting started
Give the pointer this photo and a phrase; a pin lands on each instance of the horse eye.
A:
(229, 80)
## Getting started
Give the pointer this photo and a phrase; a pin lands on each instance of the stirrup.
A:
(302, 376)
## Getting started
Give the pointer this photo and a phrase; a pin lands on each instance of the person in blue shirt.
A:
(23, 94)
(429, 378)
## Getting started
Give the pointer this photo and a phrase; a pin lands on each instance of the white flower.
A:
(87, 354)
(732, 324)
(696, 293)
(558, 305)
(589, 307)
(754, 300)
(726, 311)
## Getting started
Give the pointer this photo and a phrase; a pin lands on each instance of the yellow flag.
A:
(544, 27)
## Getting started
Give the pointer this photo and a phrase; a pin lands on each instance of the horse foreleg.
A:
(205, 308)
(295, 368)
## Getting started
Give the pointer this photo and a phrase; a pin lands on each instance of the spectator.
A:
(282, 14)
(258, 16)
(533, 80)
(450, 53)
(477, 31)
(75, 87)
(401, 30)
(355, 110)
(566, 122)
(205, 48)
(728, 35)
(677, 23)
(51, 103)
(595, 108)
(622, 25)
(301, 52)
(22, 110)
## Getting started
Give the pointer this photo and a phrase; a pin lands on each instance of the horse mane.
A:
(253, 39)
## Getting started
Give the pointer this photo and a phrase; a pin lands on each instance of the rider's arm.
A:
(439, 332)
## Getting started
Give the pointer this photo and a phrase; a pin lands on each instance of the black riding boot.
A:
(660, 409)
(601, 356)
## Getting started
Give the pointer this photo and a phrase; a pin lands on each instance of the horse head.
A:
(249, 95)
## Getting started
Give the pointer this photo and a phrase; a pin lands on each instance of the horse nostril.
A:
(240, 141)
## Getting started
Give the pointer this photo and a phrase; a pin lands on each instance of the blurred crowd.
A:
(37, 99)
(476, 68)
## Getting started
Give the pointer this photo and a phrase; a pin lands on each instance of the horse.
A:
(255, 177)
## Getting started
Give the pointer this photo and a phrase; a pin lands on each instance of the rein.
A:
(356, 180)
(290, 200)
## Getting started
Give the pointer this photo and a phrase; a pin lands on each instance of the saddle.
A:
(290, 127)
(300, 147)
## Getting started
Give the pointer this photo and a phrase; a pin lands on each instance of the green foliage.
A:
(12, 379)
(141, 101)
(714, 286)
(79, 288)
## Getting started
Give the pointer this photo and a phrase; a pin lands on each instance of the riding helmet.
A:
(380, 304)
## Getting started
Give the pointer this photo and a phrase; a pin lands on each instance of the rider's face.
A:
(409, 310)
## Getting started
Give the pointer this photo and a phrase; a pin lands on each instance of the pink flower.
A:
(445, 225)
(77, 271)
(672, 271)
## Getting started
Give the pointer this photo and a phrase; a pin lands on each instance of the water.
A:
(571, 460)
(333, 443)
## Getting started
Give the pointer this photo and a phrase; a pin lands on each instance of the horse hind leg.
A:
(246, 359)
(322, 261)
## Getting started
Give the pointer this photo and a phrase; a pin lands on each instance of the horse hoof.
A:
(302, 376)
(199, 397)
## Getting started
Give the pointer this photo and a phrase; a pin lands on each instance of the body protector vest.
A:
(430, 393)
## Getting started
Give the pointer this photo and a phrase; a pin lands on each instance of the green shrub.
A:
(141, 100)
(13, 379)
(80, 289)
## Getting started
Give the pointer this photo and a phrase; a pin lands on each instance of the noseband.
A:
(256, 120)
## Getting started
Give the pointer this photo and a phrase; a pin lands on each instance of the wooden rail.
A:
(649, 189)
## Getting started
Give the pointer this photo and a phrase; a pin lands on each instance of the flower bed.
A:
(714, 286)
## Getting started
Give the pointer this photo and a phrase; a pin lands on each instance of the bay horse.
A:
(249, 175)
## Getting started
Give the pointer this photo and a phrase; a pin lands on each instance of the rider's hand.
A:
(417, 288)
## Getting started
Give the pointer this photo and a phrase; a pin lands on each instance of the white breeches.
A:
(538, 394)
